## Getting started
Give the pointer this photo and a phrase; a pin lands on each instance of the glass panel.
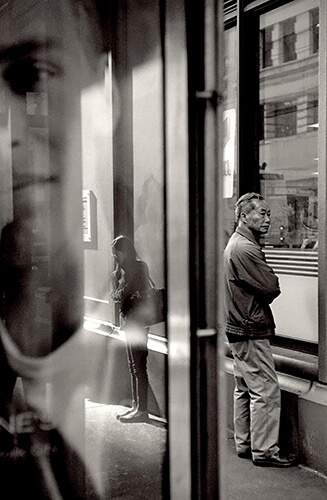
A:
(148, 169)
(44, 65)
(125, 175)
(229, 117)
(288, 157)
(288, 149)
(97, 194)
(64, 380)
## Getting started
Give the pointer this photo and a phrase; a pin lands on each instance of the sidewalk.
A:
(128, 459)
(248, 482)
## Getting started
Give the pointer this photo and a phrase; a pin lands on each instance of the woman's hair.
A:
(124, 244)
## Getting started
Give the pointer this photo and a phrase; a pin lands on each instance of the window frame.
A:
(248, 154)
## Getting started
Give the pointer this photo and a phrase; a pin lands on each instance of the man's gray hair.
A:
(245, 204)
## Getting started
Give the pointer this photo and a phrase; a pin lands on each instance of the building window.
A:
(314, 30)
(267, 45)
(288, 40)
(281, 119)
(312, 114)
(262, 133)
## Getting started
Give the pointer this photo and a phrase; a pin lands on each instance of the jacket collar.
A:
(244, 231)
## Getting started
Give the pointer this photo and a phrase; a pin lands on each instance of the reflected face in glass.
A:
(258, 219)
(43, 63)
(44, 66)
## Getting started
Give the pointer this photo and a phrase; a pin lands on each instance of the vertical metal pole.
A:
(213, 475)
(205, 49)
(178, 321)
(247, 101)
(238, 102)
(210, 435)
(322, 194)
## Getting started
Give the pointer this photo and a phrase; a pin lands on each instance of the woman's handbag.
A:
(155, 305)
(149, 306)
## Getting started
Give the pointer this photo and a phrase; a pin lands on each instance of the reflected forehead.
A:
(26, 21)
(53, 24)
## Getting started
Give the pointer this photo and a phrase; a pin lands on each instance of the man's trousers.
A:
(256, 398)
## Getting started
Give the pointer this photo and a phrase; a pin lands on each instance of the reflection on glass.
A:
(289, 123)
(56, 122)
(288, 160)
(288, 150)
(44, 64)
(229, 129)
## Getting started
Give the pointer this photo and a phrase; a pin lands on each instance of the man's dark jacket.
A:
(250, 286)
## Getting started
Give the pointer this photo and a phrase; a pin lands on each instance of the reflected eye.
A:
(28, 75)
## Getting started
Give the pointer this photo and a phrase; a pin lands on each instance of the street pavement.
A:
(127, 461)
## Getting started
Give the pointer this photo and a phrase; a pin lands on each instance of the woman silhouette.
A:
(129, 279)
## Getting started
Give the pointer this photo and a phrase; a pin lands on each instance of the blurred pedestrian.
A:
(129, 279)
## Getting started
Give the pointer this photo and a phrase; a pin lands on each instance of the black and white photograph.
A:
(163, 249)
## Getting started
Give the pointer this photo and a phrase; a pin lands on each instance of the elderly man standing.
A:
(251, 285)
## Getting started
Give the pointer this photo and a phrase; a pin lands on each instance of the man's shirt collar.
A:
(244, 231)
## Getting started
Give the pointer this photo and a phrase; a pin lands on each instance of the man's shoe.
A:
(244, 454)
(275, 461)
(133, 418)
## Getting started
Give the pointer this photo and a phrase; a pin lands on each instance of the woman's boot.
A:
(134, 407)
(139, 415)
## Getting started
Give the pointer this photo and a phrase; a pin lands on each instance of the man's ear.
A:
(243, 217)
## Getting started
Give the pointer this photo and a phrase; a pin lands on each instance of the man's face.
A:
(42, 65)
(258, 219)
(43, 69)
